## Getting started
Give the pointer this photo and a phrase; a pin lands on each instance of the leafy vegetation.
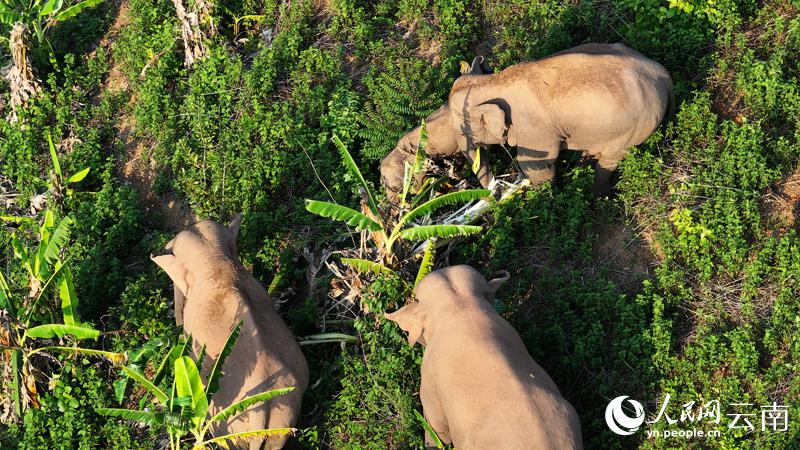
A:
(185, 404)
(39, 16)
(683, 282)
(25, 334)
(372, 221)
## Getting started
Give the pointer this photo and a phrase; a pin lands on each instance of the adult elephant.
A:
(597, 98)
(214, 292)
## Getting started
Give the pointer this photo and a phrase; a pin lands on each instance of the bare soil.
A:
(137, 167)
(781, 204)
(626, 255)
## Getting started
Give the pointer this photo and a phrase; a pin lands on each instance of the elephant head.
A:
(471, 118)
(442, 142)
(441, 291)
(202, 245)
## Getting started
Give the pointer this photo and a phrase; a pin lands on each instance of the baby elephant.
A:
(597, 98)
(213, 292)
(480, 389)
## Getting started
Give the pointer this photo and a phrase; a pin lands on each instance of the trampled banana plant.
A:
(24, 339)
(197, 25)
(183, 399)
(376, 223)
(38, 15)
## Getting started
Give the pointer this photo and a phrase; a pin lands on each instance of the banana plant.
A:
(22, 16)
(59, 182)
(425, 266)
(437, 441)
(40, 16)
(238, 20)
(22, 337)
(183, 399)
(374, 221)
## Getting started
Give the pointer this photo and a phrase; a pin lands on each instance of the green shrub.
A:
(67, 419)
(248, 130)
(379, 381)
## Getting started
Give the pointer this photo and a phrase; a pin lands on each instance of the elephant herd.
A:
(480, 389)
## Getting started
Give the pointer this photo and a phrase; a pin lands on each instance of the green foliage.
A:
(249, 130)
(725, 258)
(365, 265)
(81, 138)
(376, 402)
(344, 214)
(41, 15)
(375, 220)
(142, 312)
(26, 339)
(66, 419)
(405, 93)
(426, 266)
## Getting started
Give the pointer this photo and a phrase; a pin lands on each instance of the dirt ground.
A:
(625, 254)
(137, 168)
(781, 204)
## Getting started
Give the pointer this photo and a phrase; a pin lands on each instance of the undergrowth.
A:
(249, 130)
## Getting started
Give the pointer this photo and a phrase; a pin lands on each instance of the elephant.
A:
(600, 99)
(478, 67)
(213, 292)
(480, 388)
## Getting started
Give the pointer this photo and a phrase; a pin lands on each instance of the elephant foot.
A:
(602, 187)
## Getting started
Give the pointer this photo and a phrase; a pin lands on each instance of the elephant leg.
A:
(284, 412)
(537, 159)
(434, 415)
(484, 171)
(253, 419)
(607, 163)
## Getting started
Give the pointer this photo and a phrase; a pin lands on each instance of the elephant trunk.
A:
(393, 164)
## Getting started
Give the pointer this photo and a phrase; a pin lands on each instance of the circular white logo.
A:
(618, 421)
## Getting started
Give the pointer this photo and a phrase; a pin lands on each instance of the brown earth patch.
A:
(727, 101)
(625, 254)
(137, 167)
(116, 80)
(781, 204)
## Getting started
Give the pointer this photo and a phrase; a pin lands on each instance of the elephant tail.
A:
(671, 107)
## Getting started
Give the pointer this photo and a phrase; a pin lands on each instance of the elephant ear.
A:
(176, 271)
(233, 227)
(512, 138)
(489, 124)
(411, 320)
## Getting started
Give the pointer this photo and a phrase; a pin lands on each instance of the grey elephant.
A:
(480, 388)
(601, 99)
(213, 292)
